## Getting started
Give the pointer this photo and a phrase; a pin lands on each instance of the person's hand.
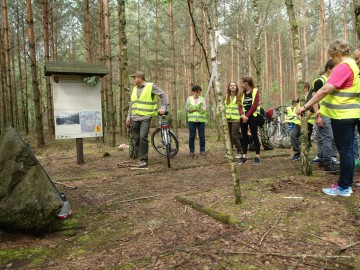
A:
(244, 118)
(128, 121)
(300, 111)
(318, 120)
(161, 111)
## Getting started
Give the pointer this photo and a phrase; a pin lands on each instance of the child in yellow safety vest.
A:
(196, 108)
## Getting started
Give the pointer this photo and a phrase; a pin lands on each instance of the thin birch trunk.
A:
(221, 109)
(305, 165)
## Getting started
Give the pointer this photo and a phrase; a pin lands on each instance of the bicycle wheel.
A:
(279, 134)
(157, 143)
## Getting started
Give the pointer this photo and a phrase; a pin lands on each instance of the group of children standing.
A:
(241, 107)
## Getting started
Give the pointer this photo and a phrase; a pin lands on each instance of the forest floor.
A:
(130, 219)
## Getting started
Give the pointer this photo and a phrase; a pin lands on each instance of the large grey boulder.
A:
(29, 200)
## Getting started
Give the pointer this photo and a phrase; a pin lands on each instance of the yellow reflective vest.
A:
(197, 116)
(146, 104)
(254, 91)
(344, 103)
(311, 119)
(232, 110)
(290, 115)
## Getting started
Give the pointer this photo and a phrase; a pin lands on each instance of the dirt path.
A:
(129, 219)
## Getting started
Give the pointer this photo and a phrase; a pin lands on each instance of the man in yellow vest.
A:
(290, 113)
(142, 107)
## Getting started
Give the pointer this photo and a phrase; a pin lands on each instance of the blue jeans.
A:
(200, 126)
(290, 126)
(325, 142)
(344, 140)
(356, 145)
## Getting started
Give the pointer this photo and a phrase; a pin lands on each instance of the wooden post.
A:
(79, 151)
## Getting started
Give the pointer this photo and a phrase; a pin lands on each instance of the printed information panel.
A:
(77, 109)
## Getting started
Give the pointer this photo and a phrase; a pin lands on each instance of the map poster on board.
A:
(77, 109)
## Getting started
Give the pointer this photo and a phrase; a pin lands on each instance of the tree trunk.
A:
(14, 81)
(87, 31)
(3, 84)
(280, 71)
(305, 166)
(21, 83)
(10, 108)
(108, 78)
(173, 69)
(35, 82)
(323, 32)
(221, 109)
(100, 58)
(192, 45)
(346, 36)
(357, 17)
(306, 52)
(124, 76)
(257, 37)
(156, 41)
(50, 107)
(25, 94)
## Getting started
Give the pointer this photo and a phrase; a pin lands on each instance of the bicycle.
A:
(164, 141)
(278, 130)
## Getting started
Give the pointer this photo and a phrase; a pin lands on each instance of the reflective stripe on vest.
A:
(253, 94)
(232, 109)
(344, 103)
(290, 115)
(196, 116)
(145, 105)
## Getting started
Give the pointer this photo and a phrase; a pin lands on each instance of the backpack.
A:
(261, 117)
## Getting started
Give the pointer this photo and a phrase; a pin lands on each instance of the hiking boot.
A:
(338, 191)
(192, 154)
(256, 161)
(331, 169)
(334, 161)
(202, 153)
(296, 157)
(315, 160)
(141, 164)
(242, 160)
